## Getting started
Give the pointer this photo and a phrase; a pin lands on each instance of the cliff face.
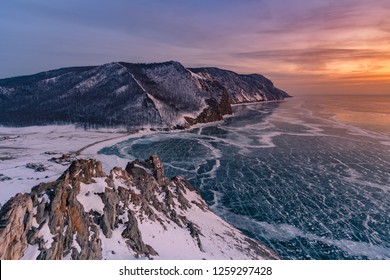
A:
(161, 95)
(219, 104)
(131, 213)
(242, 88)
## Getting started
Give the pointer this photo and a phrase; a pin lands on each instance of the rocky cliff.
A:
(159, 95)
(242, 88)
(126, 214)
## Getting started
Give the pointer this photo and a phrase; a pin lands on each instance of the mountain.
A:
(127, 214)
(130, 95)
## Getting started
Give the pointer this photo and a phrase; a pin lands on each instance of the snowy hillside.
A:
(242, 88)
(159, 95)
(106, 95)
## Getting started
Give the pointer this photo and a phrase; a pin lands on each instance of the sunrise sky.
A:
(305, 47)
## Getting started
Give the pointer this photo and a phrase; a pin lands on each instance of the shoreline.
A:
(97, 145)
(258, 102)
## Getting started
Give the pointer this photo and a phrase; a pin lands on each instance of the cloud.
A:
(328, 16)
(315, 58)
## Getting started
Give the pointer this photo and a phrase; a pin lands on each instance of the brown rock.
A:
(15, 222)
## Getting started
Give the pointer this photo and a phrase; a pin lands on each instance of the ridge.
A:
(129, 213)
(163, 95)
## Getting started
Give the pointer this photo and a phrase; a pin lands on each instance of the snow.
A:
(203, 75)
(34, 222)
(76, 245)
(44, 198)
(6, 91)
(164, 110)
(31, 252)
(117, 181)
(89, 83)
(218, 238)
(122, 89)
(196, 76)
(115, 248)
(50, 80)
(38, 144)
(99, 74)
(179, 88)
(167, 242)
(148, 171)
(46, 234)
(89, 197)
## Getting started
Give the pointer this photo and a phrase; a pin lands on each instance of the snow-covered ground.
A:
(34, 146)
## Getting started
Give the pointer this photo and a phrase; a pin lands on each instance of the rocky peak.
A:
(83, 170)
(151, 166)
(15, 221)
(131, 213)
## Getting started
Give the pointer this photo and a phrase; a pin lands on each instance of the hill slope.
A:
(242, 88)
(131, 95)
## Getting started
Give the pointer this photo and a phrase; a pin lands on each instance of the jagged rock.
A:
(158, 169)
(64, 159)
(15, 223)
(64, 217)
(111, 200)
(134, 237)
(86, 214)
(195, 232)
(152, 166)
(41, 207)
(83, 170)
(181, 185)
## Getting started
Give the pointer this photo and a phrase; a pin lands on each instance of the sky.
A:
(304, 47)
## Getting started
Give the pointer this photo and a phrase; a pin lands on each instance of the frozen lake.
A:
(309, 177)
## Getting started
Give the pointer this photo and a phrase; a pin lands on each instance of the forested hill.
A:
(161, 95)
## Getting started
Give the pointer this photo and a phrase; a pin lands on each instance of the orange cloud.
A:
(343, 46)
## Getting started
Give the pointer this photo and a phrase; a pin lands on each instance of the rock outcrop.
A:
(219, 104)
(131, 213)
